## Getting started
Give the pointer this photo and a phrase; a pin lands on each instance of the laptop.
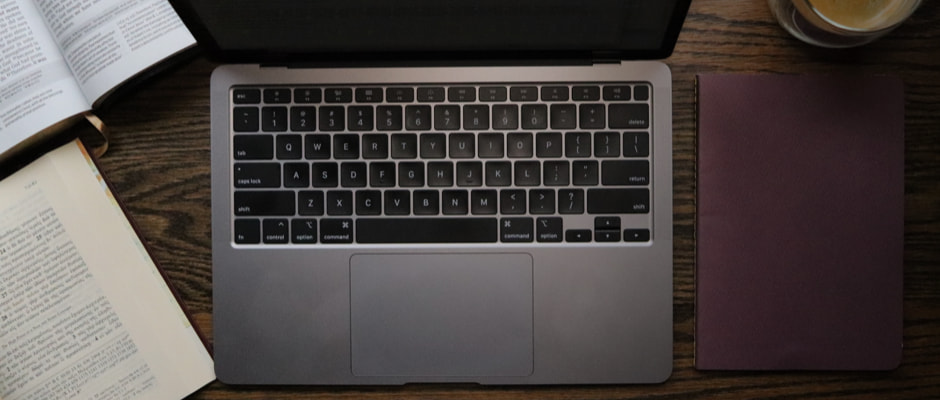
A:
(439, 191)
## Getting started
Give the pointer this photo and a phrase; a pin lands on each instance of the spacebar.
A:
(426, 230)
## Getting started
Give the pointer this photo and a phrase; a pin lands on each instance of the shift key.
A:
(618, 201)
(258, 202)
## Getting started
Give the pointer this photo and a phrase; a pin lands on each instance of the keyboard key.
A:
(338, 95)
(388, 118)
(275, 231)
(586, 93)
(411, 174)
(542, 201)
(430, 94)
(617, 92)
(339, 202)
(417, 118)
(336, 230)
(512, 201)
(296, 175)
(404, 145)
(397, 202)
(584, 173)
(274, 119)
(458, 94)
(375, 146)
(490, 145)
(246, 96)
(257, 175)
(332, 118)
(578, 235)
(303, 119)
(577, 144)
(277, 96)
(264, 203)
(534, 116)
(607, 144)
(303, 231)
(433, 145)
(361, 118)
(607, 223)
(607, 235)
(447, 118)
(308, 95)
(369, 95)
(317, 147)
(548, 144)
(571, 201)
(554, 93)
(498, 173)
(247, 231)
(505, 117)
(382, 174)
(346, 147)
(527, 173)
(618, 201)
(400, 95)
(325, 174)
(253, 147)
(519, 145)
(426, 202)
(476, 118)
(555, 173)
(368, 202)
(493, 93)
(563, 116)
(469, 173)
(548, 229)
(636, 144)
(636, 235)
(454, 202)
(629, 116)
(441, 174)
(426, 230)
(641, 92)
(524, 93)
(353, 174)
(592, 116)
(310, 202)
(625, 172)
(516, 230)
(483, 202)
(289, 147)
(245, 119)
(462, 145)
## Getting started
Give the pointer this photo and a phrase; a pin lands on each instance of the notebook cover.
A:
(800, 222)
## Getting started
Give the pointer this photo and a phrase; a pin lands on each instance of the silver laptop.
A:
(428, 191)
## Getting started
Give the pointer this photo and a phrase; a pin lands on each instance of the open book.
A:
(84, 311)
(59, 59)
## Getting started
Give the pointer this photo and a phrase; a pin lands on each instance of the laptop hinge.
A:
(606, 57)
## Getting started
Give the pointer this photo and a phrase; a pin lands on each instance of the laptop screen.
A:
(296, 30)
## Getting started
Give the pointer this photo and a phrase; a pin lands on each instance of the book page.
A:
(83, 310)
(106, 42)
(36, 87)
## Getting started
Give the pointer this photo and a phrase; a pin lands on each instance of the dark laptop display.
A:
(286, 30)
(440, 191)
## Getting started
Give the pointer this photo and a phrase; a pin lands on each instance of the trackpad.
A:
(441, 315)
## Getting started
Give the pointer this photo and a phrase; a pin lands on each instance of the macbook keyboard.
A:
(488, 163)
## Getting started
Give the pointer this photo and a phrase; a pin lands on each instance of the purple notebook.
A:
(800, 224)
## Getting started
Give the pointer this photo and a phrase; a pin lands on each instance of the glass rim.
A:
(907, 8)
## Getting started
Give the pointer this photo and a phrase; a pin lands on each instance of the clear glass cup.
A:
(841, 23)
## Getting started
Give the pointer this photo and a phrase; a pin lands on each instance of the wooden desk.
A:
(159, 164)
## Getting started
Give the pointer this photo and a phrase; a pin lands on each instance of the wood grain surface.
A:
(159, 165)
